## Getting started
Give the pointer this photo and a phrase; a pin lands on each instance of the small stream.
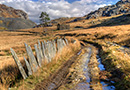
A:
(105, 85)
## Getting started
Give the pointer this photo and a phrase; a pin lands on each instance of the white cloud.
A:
(55, 8)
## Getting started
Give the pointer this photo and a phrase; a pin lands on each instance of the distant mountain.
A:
(121, 7)
(11, 18)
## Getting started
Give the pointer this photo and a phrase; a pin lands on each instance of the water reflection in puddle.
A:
(85, 85)
(105, 85)
(101, 66)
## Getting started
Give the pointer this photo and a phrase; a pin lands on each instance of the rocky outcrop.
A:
(121, 7)
(11, 18)
(9, 12)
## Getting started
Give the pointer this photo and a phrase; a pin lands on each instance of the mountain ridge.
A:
(121, 7)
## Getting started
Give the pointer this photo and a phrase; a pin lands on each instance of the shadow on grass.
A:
(11, 74)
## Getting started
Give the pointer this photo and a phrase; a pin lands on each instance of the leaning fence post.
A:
(17, 61)
(43, 51)
(44, 47)
(40, 49)
(66, 41)
(39, 59)
(54, 48)
(60, 45)
(28, 67)
(32, 59)
(48, 50)
(64, 44)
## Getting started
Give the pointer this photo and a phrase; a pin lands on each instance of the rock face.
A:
(11, 18)
(123, 6)
(9, 12)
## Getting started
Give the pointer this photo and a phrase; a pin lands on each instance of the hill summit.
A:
(121, 7)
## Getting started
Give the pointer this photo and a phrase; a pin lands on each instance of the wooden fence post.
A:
(54, 48)
(40, 50)
(43, 51)
(46, 51)
(17, 61)
(39, 58)
(66, 41)
(28, 67)
(32, 59)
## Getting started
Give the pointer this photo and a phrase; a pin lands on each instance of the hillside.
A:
(9, 12)
(95, 54)
(15, 23)
(121, 7)
(11, 18)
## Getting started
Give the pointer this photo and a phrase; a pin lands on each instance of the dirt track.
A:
(58, 78)
(61, 77)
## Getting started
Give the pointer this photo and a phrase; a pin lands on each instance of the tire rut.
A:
(58, 78)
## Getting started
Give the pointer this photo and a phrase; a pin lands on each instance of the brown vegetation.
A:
(119, 34)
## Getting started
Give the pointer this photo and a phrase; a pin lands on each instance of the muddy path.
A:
(59, 77)
(81, 72)
(92, 71)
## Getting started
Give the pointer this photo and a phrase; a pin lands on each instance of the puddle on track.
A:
(85, 85)
(105, 85)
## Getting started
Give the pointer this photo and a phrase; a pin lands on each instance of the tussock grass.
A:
(43, 72)
(119, 63)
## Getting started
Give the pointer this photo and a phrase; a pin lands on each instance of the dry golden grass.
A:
(17, 39)
(122, 60)
(116, 60)
(48, 69)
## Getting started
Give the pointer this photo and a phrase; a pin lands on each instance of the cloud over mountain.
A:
(55, 8)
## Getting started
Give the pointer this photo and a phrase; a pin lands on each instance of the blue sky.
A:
(57, 8)
(70, 1)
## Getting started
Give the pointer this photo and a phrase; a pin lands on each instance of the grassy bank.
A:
(116, 62)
